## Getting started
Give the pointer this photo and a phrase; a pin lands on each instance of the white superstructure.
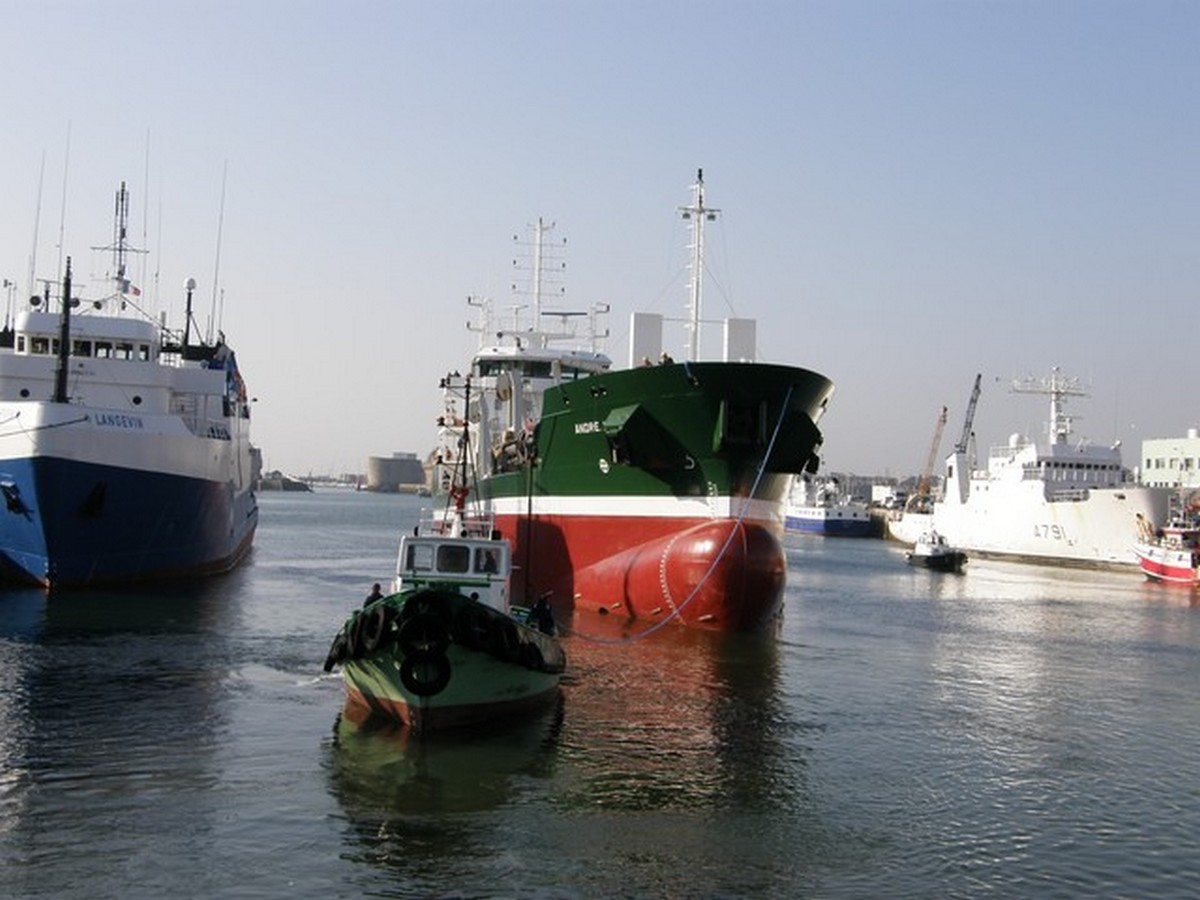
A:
(1067, 501)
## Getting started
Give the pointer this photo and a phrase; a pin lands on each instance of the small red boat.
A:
(1171, 554)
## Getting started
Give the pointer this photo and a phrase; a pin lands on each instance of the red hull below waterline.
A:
(1169, 574)
(721, 575)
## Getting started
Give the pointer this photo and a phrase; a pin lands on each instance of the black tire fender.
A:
(423, 636)
(377, 628)
(426, 675)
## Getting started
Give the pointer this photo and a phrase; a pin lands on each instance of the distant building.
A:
(1172, 462)
(398, 472)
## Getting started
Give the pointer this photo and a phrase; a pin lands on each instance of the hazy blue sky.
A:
(912, 192)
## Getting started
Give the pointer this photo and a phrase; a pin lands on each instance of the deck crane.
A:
(969, 419)
(920, 500)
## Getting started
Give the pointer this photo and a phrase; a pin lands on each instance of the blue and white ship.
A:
(125, 448)
(824, 508)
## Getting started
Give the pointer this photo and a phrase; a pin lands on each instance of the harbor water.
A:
(1014, 731)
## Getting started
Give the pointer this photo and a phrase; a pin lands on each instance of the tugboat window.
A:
(487, 561)
(453, 558)
(420, 559)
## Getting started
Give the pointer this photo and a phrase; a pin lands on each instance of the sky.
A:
(911, 193)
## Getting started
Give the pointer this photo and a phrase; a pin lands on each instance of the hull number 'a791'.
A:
(1050, 532)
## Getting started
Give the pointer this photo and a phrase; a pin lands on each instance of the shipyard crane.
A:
(969, 419)
(920, 499)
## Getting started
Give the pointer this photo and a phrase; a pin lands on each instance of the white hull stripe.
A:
(642, 507)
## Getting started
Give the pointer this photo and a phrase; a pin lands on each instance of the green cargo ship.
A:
(651, 493)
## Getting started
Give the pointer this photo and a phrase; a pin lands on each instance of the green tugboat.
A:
(446, 650)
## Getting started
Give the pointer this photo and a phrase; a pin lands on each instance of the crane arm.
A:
(969, 419)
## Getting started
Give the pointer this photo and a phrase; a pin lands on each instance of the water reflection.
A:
(411, 802)
(378, 767)
(107, 699)
(676, 719)
(682, 726)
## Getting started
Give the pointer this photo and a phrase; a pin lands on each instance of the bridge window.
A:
(420, 558)
(487, 560)
(453, 558)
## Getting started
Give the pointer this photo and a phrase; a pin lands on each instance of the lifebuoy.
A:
(426, 675)
(377, 628)
(423, 636)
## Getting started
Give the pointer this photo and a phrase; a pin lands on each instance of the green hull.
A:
(686, 430)
(435, 660)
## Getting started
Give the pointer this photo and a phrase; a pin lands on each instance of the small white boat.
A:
(933, 551)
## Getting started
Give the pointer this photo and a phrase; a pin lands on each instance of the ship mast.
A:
(697, 214)
(62, 358)
(1058, 387)
(120, 245)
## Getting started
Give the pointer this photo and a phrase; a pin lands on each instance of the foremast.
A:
(696, 214)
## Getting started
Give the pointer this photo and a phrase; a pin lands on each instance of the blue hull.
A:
(830, 527)
(72, 524)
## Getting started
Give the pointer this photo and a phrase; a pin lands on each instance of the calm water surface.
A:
(1011, 732)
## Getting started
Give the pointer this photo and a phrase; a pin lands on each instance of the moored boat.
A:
(446, 649)
(933, 551)
(649, 493)
(125, 448)
(1170, 554)
(825, 508)
(1065, 502)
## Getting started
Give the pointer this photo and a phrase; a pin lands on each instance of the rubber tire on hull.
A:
(376, 629)
(425, 676)
(423, 637)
